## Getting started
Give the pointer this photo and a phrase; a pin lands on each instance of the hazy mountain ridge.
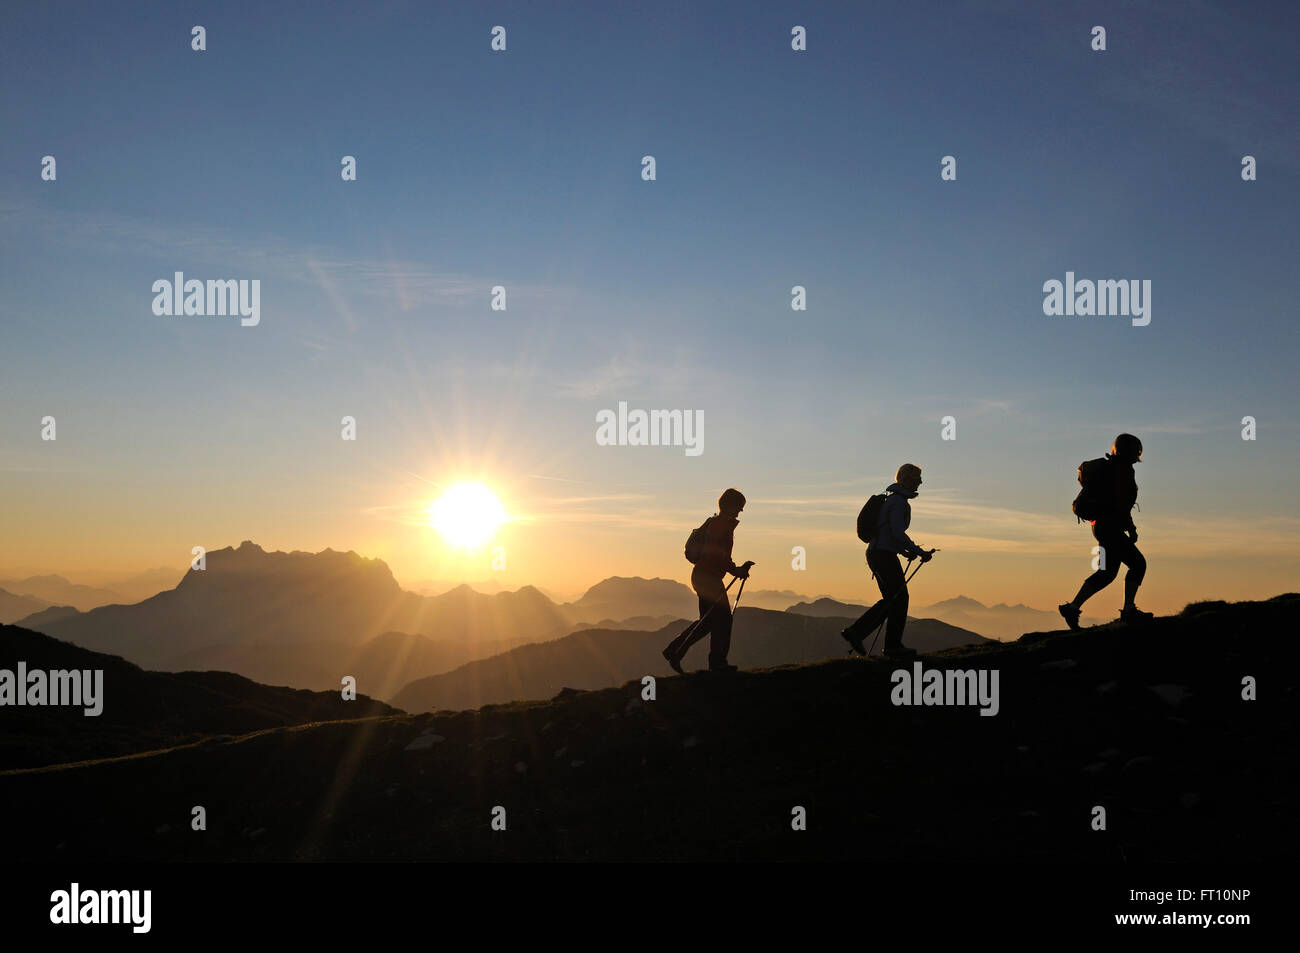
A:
(52, 589)
(778, 599)
(292, 601)
(621, 597)
(38, 620)
(598, 658)
(1147, 721)
(14, 607)
(1000, 621)
(94, 587)
(381, 665)
(308, 619)
(826, 607)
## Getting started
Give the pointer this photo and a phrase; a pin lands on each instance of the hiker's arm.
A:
(725, 552)
(899, 532)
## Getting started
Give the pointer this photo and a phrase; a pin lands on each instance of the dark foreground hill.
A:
(143, 711)
(1148, 724)
(596, 658)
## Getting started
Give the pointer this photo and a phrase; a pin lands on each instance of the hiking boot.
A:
(722, 667)
(898, 651)
(1133, 614)
(674, 661)
(854, 641)
(1070, 613)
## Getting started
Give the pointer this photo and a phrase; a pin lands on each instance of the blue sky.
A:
(522, 168)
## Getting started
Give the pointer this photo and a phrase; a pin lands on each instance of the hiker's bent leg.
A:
(1095, 584)
(714, 605)
(897, 618)
(712, 595)
(679, 645)
(1113, 547)
(697, 629)
(868, 621)
(720, 644)
(1137, 568)
(893, 586)
(881, 564)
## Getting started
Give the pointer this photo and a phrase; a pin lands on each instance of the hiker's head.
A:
(908, 476)
(1127, 448)
(731, 503)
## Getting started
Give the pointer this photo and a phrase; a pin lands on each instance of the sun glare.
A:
(467, 514)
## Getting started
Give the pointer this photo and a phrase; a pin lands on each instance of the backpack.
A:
(869, 517)
(1093, 500)
(695, 542)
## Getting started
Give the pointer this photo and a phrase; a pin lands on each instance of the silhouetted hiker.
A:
(888, 540)
(709, 548)
(1106, 501)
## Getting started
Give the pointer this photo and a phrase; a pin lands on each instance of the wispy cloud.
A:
(1174, 427)
(408, 284)
(623, 375)
(958, 524)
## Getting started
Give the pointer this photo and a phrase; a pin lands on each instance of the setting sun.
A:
(467, 514)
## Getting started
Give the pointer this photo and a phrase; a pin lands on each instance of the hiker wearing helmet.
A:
(888, 541)
(709, 548)
(1107, 499)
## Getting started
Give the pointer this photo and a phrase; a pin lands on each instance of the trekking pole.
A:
(906, 579)
(724, 595)
(695, 626)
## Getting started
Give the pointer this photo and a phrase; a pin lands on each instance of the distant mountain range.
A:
(305, 619)
(1000, 621)
(14, 607)
(308, 619)
(651, 599)
(106, 589)
(597, 658)
(826, 607)
(778, 599)
(54, 590)
(143, 711)
(620, 597)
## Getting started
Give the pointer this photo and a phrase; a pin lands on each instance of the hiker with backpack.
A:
(709, 548)
(1106, 501)
(882, 525)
